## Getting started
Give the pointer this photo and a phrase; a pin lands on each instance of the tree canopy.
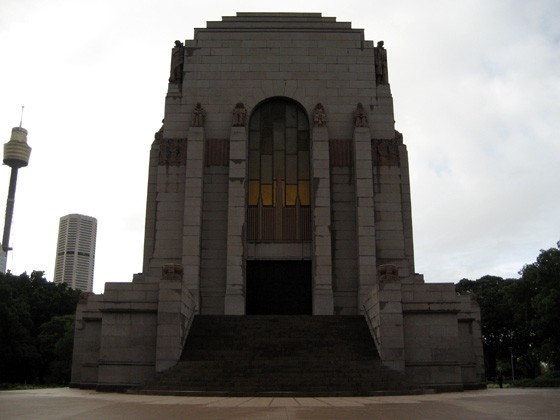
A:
(36, 329)
(521, 316)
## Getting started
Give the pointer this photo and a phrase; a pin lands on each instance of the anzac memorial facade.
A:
(278, 199)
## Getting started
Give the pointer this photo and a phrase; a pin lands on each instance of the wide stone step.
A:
(267, 355)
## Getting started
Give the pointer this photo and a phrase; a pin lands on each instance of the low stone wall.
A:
(128, 335)
(439, 330)
(87, 341)
(431, 329)
(132, 331)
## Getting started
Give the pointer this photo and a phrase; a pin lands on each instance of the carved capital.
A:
(172, 272)
(387, 273)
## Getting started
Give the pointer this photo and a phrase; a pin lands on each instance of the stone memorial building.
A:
(278, 196)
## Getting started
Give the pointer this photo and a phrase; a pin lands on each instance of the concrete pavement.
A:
(65, 403)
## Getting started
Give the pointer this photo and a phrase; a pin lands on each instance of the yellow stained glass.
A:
(253, 192)
(303, 187)
(291, 194)
(282, 136)
(266, 194)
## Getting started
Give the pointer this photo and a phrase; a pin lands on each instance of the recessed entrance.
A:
(278, 288)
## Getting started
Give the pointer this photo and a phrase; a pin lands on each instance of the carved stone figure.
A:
(360, 116)
(319, 116)
(177, 61)
(239, 115)
(158, 136)
(198, 116)
(381, 74)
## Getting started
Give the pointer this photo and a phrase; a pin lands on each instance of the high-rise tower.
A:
(16, 155)
(75, 252)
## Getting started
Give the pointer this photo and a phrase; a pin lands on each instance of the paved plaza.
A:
(64, 403)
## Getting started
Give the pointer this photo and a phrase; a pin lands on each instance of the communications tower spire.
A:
(16, 155)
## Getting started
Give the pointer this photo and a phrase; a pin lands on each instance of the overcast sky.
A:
(476, 87)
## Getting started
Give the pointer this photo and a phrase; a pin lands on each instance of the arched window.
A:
(279, 174)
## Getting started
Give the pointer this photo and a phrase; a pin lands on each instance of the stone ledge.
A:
(152, 309)
(125, 363)
(434, 363)
(430, 307)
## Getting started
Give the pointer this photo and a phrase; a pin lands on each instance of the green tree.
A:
(541, 280)
(27, 303)
(497, 322)
(55, 341)
(520, 316)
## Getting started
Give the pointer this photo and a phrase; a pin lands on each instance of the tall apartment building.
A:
(75, 252)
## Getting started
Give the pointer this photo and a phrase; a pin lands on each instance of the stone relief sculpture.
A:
(198, 116)
(177, 61)
(381, 74)
(387, 273)
(239, 115)
(158, 136)
(319, 116)
(360, 116)
(385, 152)
(172, 272)
(172, 152)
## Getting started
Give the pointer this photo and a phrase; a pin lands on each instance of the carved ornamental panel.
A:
(173, 152)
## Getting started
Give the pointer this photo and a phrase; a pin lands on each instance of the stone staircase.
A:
(299, 355)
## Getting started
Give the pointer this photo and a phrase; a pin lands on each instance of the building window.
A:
(279, 174)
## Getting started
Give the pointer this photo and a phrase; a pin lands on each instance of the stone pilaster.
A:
(237, 205)
(365, 217)
(175, 313)
(384, 314)
(391, 324)
(192, 219)
(322, 251)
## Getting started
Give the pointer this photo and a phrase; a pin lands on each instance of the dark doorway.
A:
(278, 288)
